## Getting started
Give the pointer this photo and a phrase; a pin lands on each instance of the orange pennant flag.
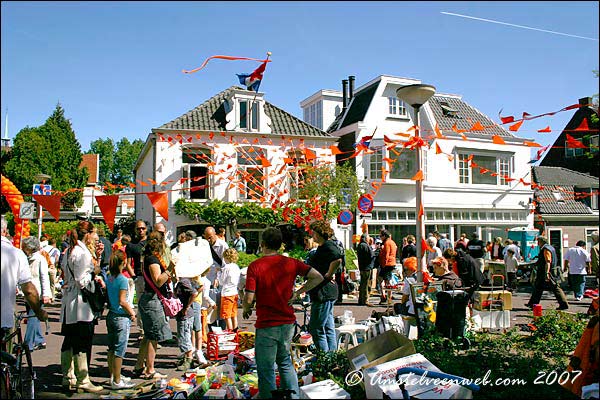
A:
(335, 150)
(532, 144)
(160, 202)
(50, 203)
(108, 208)
(438, 133)
(545, 130)
(418, 177)
(309, 154)
(583, 126)
(477, 127)
(421, 213)
(498, 140)
(265, 163)
(515, 127)
(438, 150)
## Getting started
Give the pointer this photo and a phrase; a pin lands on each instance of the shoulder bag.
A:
(172, 305)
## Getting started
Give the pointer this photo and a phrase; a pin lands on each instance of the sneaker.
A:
(123, 378)
(185, 365)
(200, 358)
(120, 385)
(563, 307)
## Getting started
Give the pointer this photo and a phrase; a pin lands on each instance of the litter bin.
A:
(451, 313)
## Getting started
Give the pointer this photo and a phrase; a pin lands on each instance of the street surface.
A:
(47, 361)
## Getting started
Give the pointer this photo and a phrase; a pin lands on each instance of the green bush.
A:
(246, 259)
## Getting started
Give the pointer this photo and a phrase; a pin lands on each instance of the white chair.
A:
(349, 336)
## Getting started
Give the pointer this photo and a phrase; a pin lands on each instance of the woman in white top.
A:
(434, 253)
(76, 315)
(38, 266)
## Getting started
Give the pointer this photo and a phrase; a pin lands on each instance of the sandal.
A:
(138, 373)
(154, 376)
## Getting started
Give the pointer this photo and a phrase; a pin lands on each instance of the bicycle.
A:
(17, 380)
(300, 352)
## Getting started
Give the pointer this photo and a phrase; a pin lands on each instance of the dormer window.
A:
(396, 107)
(248, 115)
(448, 111)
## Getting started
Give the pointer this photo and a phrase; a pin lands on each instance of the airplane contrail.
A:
(519, 26)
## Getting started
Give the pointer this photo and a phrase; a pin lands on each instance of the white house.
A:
(234, 147)
(457, 196)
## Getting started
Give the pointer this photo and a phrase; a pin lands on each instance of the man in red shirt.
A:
(387, 261)
(270, 281)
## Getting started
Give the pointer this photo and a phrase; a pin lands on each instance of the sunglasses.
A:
(141, 228)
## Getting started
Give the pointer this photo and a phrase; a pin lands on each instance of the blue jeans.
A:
(577, 284)
(118, 327)
(321, 325)
(274, 344)
(184, 334)
(33, 332)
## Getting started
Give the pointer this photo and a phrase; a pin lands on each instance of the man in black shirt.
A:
(135, 257)
(365, 255)
(410, 250)
(476, 249)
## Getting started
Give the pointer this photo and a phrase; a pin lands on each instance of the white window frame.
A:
(251, 113)
(188, 172)
(376, 162)
(247, 166)
(503, 166)
(299, 164)
(396, 107)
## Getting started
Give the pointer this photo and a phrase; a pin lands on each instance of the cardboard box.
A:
(491, 320)
(327, 389)
(390, 345)
(380, 379)
(498, 299)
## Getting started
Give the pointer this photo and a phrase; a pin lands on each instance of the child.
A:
(511, 263)
(206, 304)
(118, 320)
(185, 290)
(229, 280)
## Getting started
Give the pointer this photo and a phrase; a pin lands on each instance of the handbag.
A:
(327, 292)
(98, 298)
(172, 305)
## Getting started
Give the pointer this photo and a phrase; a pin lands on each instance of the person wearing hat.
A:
(365, 255)
(547, 276)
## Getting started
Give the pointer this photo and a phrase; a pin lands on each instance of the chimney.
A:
(585, 101)
(350, 88)
(344, 93)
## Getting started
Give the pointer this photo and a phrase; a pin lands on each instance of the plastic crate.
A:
(219, 345)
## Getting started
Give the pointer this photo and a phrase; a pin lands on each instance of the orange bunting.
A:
(545, 130)
(310, 155)
(335, 150)
(583, 126)
(108, 208)
(438, 150)
(418, 176)
(531, 144)
(497, 140)
(50, 203)
(515, 127)
(477, 127)
(572, 143)
(264, 162)
(160, 202)
(438, 133)
(455, 129)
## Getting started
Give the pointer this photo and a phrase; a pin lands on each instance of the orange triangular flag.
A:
(108, 208)
(531, 144)
(421, 213)
(309, 154)
(438, 150)
(515, 127)
(160, 202)
(264, 162)
(545, 130)
(335, 150)
(438, 133)
(583, 126)
(50, 203)
(477, 127)
(498, 140)
(418, 177)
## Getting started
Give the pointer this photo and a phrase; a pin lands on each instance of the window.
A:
(297, 173)
(482, 173)
(195, 172)
(249, 115)
(404, 165)
(558, 196)
(250, 172)
(588, 196)
(313, 114)
(396, 107)
(594, 144)
(375, 164)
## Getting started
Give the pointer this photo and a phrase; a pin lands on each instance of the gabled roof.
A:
(565, 182)
(210, 116)
(464, 116)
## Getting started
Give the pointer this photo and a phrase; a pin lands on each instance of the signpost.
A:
(27, 211)
(42, 189)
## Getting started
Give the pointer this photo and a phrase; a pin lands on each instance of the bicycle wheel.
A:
(5, 382)
(28, 376)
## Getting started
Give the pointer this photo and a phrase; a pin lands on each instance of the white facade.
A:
(455, 199)
(321, 108)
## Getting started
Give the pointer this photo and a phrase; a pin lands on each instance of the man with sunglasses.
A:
(135, 257)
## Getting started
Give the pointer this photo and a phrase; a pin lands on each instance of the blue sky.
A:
(116, 66)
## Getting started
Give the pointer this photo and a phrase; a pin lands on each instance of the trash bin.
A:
(451, 313)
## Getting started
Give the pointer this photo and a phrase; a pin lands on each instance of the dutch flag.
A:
(252, 81)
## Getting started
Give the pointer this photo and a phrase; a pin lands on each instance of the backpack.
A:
(340, 247)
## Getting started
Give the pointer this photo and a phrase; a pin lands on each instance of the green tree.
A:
(116, 160)
(50, 149)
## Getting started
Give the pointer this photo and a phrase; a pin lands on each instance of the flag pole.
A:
(256, 94)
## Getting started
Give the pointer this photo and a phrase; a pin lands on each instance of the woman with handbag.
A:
(156, 327)
(76, 316)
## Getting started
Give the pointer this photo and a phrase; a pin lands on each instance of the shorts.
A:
(229, 306)
(386, 273)
(184, 334)
(118, 327)
(197, 327)
(156, 326)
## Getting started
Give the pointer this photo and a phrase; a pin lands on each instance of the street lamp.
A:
(41, 178)
(416, 96)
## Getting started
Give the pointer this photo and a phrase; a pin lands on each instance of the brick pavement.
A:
(47, 361)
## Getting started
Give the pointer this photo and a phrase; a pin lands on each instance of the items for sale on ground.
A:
(327, 389)
(494, 300)
(220, 344)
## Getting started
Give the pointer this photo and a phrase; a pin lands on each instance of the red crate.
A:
(221, 344)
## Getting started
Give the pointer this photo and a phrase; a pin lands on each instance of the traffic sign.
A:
(42, 189)
(365, 203)
(27, 210)
(345, 217)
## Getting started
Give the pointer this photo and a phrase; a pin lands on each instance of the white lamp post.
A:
(416, 96)
(41, 178)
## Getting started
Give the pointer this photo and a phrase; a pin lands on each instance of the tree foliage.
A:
(50, 149)
(116, 160)
(223, 213)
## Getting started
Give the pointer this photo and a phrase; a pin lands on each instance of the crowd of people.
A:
(202, 272)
